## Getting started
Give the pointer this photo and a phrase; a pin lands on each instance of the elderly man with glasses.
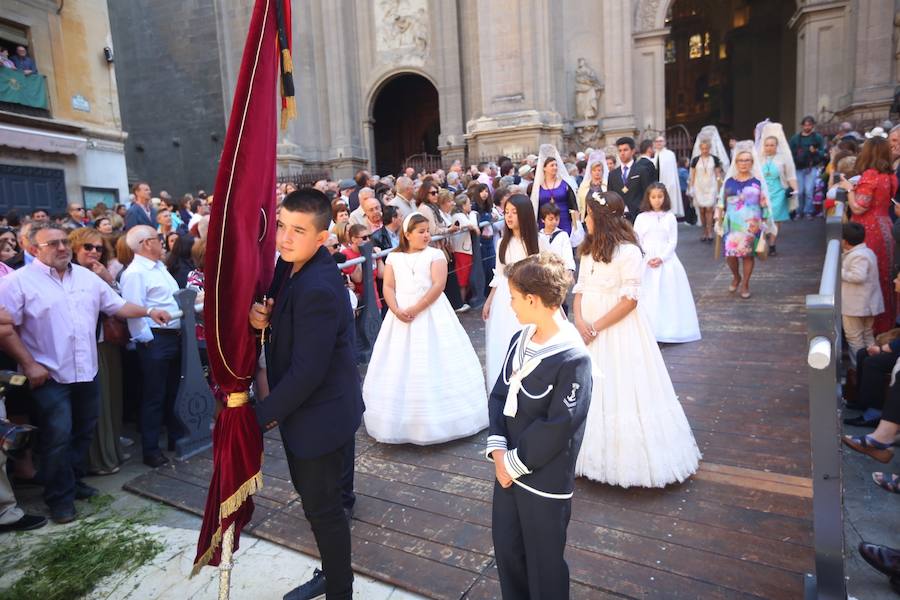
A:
(55, 305)
(75, 220)
(146, 281)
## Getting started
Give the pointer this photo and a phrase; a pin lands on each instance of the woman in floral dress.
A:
(742, 211)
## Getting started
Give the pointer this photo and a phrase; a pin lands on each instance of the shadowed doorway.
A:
(407, 121)
(730, 63)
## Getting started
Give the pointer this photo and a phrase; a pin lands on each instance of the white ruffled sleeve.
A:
(631, 263)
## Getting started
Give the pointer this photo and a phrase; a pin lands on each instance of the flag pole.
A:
(226, 564)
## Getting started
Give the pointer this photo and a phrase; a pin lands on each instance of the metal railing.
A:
(823, 325)
(368, 323)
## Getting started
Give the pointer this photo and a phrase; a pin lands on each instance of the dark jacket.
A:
(543, 439)
(646, 163)
(316, 396)
(639, 177)
(137, 216)
(382, 239)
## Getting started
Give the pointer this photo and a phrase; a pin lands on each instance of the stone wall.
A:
(170, 77)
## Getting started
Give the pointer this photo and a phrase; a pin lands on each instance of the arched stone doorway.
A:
(406, 121)
(730, 63)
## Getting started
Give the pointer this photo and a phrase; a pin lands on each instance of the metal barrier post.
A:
(194, 404)
(369, 321)
(824, 338)
(476, 277)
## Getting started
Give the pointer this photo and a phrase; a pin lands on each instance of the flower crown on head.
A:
(601, 200)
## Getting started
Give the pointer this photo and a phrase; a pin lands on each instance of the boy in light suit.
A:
(861, 298)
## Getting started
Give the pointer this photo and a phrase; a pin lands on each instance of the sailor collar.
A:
(523, 365)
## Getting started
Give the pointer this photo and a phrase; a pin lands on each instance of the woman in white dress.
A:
(520, 240)
(636, 432)
(666, 297)
(709, 161)
(423, 384)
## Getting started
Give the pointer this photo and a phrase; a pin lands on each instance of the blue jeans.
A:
(161, 372)
(806, 181)
(67, 416)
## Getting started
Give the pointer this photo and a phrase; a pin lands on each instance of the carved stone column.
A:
(824, 69)
(618, 103)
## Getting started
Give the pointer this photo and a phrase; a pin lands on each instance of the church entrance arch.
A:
(406, 121)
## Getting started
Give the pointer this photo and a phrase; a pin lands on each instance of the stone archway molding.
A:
(386, 76)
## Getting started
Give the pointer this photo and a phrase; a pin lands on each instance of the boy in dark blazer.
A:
(315, 396)
(630, 179)
(537, 412)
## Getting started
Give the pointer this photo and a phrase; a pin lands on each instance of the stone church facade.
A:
(512, 74)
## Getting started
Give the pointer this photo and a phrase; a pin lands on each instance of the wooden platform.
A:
(740, 528)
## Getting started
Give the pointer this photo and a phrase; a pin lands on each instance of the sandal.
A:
(734, 286)
(891, 485)
(745, 295)
(870, 447)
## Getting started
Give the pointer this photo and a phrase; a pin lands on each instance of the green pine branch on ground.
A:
(71, 563)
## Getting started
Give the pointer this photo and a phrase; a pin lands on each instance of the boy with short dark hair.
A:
(537, 413)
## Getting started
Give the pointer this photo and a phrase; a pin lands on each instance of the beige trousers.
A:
(859, 334)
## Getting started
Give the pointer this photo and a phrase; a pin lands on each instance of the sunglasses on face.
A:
(364, 238)
(333, 246)
(61, 243)
(92, 247)
(432, 193)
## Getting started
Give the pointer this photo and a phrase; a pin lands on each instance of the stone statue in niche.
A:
(402, 25)
(587, 91)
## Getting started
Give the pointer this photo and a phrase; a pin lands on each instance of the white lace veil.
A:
(766, 129)
(716, 147)
(756, 171)
(549, 151)
(597, 156)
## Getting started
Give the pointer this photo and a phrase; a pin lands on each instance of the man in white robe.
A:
(667, 167)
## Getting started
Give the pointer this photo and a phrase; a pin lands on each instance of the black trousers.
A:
(319, 481)
(161, 374)
(529, 534)
(870, 373)
(348, 496)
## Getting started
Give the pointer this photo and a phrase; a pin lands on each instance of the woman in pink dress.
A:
(870, 203)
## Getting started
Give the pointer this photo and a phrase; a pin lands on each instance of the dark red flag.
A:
(238, 269)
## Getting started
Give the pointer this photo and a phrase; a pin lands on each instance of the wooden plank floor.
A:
(740, 528)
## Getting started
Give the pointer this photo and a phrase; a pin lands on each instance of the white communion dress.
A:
(502, 323)
(636, 432)
(424, 382)
(666, 297)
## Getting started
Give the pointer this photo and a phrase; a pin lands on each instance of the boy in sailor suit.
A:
(537, 413)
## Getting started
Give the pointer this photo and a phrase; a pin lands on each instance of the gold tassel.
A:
(226, 509)
(284, 119)
(292, 107)
(286, 61)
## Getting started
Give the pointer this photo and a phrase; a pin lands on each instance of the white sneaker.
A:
(462, 309)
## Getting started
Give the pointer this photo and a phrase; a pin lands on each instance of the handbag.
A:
(115, 330)
(762, 248)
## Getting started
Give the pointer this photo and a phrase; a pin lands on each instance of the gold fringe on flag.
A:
(226, 509)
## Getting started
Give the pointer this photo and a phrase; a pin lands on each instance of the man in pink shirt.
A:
(55, 305)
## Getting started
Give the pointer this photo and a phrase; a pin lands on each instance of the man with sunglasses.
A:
(75, 220)
(55, 305)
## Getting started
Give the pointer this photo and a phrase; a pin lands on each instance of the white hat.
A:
(524, 170)
(876, 132)
(580, 156)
